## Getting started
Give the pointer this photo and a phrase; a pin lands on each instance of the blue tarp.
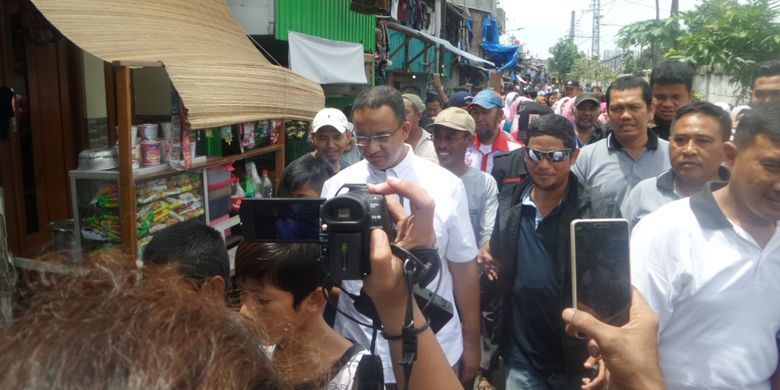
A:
(505, 56)
(490, 30)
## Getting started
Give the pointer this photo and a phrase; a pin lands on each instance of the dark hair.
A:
(197, 248)
(290, 267)
(532, 93)
(102, 328)
(630, 82)
(672, 72)
(376, 97)
(433, 98)
(760, 120)
(767, 69)
(555, 126)
(306, 169)
(708, 109)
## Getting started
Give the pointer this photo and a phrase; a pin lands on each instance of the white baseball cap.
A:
(330, 117)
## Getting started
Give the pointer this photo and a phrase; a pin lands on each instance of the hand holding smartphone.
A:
(600, 271)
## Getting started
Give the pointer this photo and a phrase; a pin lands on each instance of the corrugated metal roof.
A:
(331, 19)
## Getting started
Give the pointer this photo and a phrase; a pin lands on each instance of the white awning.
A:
(443, 42)
(325, 61)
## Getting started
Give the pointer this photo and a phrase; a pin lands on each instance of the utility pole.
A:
(596, 29)
(675, 8)
(571, 29)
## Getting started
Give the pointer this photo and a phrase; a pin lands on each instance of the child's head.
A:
(197, 249)
(304, 177)
(281, 285)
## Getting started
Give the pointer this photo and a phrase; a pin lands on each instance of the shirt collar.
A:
(399, 170)
(424, 137)
(706, 209)
(652, 141)
(665, 180)
(500, 143)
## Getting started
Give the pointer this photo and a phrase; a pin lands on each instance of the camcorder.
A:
(342, 226)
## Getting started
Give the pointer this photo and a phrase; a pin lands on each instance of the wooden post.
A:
(127, 201)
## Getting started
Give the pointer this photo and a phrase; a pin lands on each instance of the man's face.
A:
(486, 121)
(433, 108)
(756, 177)
(628, 113)
(571, 90)
(271, 307)
(766, 90)
(451, 146)
(554, 98)
(549, 175)
(696, 149)
(411, 116)
(386, 148)
(585, 114)
(669, 98)
(330, 143)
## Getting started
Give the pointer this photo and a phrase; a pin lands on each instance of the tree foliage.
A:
(564, 55)
(592, 71)
(730, 38)
(653, 38)
(727, 36)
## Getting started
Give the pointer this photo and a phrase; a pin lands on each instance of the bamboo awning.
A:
(219, 74)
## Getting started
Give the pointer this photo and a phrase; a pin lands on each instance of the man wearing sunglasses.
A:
(381, 130)
(531, 243)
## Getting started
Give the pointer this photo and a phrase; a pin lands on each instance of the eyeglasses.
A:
(449, 138)
(381, 139)
(553, 155)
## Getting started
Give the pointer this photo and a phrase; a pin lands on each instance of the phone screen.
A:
(601, 279)
(281, 220)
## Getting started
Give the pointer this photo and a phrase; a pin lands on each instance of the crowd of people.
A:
(529, 163)
(492, 181)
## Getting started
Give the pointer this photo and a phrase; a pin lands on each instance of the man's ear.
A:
(573, 156)
(315, 301)
(730, 152)
(213, 287)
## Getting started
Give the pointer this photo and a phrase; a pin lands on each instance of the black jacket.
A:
(581, 203)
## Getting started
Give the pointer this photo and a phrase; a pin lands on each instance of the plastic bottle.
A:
(253, 179)
(267, 189)
(249, 186)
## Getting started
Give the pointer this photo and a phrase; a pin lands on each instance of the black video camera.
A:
(342, 226)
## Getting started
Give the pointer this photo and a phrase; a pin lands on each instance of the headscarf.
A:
(508, 100)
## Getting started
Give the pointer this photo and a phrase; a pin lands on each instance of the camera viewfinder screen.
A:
(278, 220)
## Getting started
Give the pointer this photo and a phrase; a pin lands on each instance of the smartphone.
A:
(600, 277)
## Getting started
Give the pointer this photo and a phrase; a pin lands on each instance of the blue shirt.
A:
(537, 335)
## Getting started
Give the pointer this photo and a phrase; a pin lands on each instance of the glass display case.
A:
(160, 202)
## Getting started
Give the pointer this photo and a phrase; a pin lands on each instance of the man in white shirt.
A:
(709, 265)
(381, 128)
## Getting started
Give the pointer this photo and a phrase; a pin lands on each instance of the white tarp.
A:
(325, 61)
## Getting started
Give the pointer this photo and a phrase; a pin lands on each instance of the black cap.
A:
(572, 83)
(587, 97)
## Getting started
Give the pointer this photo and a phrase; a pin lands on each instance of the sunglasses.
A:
(553, 155)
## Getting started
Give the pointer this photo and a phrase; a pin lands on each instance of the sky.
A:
(543, 22)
